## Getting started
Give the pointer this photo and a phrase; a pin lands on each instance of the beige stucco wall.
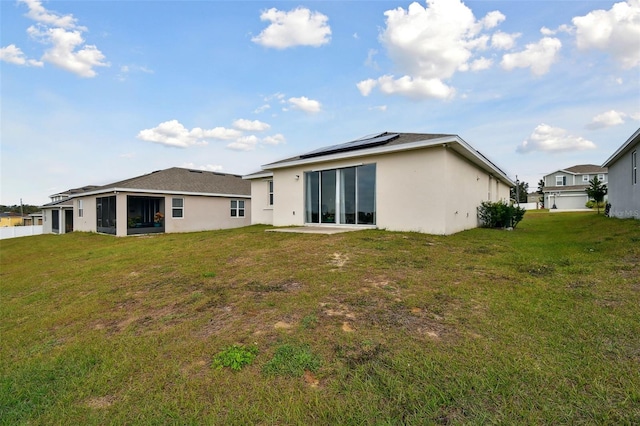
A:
(200, 213)
(431, 190)
(205, 213)
(86, 223)
(261, 211)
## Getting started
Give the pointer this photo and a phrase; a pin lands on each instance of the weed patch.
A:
(235, 357)
(292, 361)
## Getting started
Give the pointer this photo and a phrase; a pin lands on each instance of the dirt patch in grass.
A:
(100, 402)
(339, 260)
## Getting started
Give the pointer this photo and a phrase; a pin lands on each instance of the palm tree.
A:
(596, 191)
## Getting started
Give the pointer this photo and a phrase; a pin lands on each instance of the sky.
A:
(92, 92)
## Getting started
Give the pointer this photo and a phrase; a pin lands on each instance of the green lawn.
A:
(540, 325)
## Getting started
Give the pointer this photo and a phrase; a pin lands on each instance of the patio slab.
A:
(328, 230)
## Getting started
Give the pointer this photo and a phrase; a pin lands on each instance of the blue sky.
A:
(97, 91)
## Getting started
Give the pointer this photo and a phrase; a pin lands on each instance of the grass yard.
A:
(540, 325)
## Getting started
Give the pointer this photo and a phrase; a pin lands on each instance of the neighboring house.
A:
(430, 183)
(57, 215)
(565, 189)
(11, 219)
(34, 219)
(171, 200)
(624, 179)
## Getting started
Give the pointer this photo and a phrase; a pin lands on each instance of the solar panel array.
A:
(380, 139)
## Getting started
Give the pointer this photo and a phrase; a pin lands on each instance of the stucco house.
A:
(57, 215)
(11, 219)
(431, 183)
(624, 179)
(564, 189)
(170, 200)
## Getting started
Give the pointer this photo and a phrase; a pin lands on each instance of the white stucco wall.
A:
(623, 195)
(431, 190)
(261, 211)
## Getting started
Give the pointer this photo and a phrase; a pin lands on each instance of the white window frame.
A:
(585, 178)
(237, 209)
(601, 177)
(175, 208)
(80, 208)
(270, 191)
(563, 180)
(634, 168)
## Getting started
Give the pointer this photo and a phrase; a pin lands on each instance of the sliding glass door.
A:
(341, 196)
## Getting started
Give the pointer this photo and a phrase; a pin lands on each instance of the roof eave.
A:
(452, 140)
(258, 175)
(158, 191)
(622, 149)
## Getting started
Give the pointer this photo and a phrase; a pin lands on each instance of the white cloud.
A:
(262, 108)
(63, 52)
(276, 139)
(173, 133)
(251, 126)
(298, 27)
(492, 19)
(366, 86)
(607, 119)
(38, 13)
(244, 143)
(370, 61)
(537, 56)
(67, 48)
(408, 86)
(429, 45)
(504, 41)
(546, 138)
(616, 31)
(381, 108)
(481, 64)
(206, 167)
(415, 87)
(14, 55)
(305, 104)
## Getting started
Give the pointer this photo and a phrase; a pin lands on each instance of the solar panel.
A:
(369, 142)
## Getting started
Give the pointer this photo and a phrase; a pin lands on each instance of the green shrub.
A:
(235, 357)
(499, 214)
(291, 360)
(591, 204)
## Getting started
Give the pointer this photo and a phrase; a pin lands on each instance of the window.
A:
(601, 177)
(561, 180)
(270, 184)
(585, 178)
(341, 196)
(634, 167)
(237, 208)
(177, 207)
(80, 209)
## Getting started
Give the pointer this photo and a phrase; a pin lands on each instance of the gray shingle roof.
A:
(177, 179)
(586, 168)
(403, 138)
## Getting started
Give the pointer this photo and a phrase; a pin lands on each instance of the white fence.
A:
(19, 231)
(529, 206)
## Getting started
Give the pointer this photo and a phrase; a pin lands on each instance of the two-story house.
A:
(565, 189)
